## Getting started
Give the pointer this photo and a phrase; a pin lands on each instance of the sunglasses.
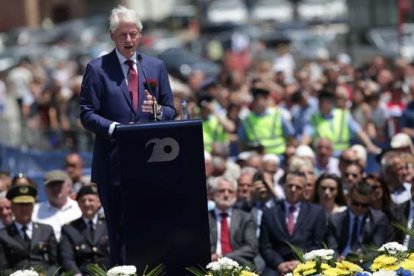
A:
(376, 187)
(351, 174)
(359, 204)
(331, 189)
(349, 161)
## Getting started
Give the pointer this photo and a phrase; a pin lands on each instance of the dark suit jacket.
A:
(375, 230)
(400, 214)
(14, 253)
(105, 99)
(242, 236)
(308, 235)
(77, 249)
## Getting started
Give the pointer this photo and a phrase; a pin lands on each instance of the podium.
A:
(164, 195)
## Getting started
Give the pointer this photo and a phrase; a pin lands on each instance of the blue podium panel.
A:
(164, 189)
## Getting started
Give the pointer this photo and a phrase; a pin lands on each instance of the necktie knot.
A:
(292, 209)
(91, 225)
(130, 64)
(224, 215)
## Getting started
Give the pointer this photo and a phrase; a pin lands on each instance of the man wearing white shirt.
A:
(232, 231)
(59, 209)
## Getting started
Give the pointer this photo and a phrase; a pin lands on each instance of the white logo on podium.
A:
(164, 150)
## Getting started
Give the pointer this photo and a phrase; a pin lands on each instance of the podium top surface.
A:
(158, 125)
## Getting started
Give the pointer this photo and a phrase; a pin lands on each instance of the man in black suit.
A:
(359, 226)
(404, 216)
(232, 231)
(291, 221)
(25, 243)
(85, 240)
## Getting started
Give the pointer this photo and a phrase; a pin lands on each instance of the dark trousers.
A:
(111, 198)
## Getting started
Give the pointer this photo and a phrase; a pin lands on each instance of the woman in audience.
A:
(329, 193)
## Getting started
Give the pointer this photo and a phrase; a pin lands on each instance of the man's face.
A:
(6, 215)
(309, 187)
(224, 195)
(294, 188)
(352, 175)
(324, 150)
(89, 205)
(22, 212)
(126, 38)
(326, 106)
(73, 167)
(57, 191)
(270, 167)
(359, 203)
(348, 157)
(244, 188)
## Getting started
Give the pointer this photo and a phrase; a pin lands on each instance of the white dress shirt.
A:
(218, 223)
(45, 213)
(29, 231)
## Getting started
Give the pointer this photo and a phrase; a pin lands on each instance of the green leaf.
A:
(156, 271)
(95, 270)
(298, 252)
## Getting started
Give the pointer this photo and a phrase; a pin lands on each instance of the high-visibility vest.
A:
(335, 129)
(213, 131)
(266, 130)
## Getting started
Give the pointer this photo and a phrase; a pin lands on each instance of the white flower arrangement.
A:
(324, 254)
(384, 273)
(223, 264)
(393, 248)
(125, 270)
(25, 272)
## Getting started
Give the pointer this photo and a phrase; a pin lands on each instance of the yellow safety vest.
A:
(213, 132)
(335, 129)
(266, 130)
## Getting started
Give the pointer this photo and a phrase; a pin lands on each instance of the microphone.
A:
(154, 104)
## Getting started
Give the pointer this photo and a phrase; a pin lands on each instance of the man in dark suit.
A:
(293, 221)
(404, 216)
(25, 243)
(232, 231)
(114, 92)
(359, 226)
(85, 240)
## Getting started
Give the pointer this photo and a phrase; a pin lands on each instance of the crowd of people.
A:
(288, 159)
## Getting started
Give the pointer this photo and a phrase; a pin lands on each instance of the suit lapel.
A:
(344, 231)
(213, 230)
(99, 230)
(303, 212)
(36, 235)
(14, 233)
(280, 217)
(120, 79)
(234, 224)
(367, 226)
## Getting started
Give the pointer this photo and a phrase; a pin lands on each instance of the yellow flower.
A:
(348, 266)
(247, 273)
(383, 261)
(334, 271)
(408, 265)
(324, 266)
(411, 257)
(305, 266)
(309, 272)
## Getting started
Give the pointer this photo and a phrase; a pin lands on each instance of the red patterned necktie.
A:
(133, 84)
(291, 220)
(225, 235)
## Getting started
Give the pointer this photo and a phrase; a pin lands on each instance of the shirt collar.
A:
(65, 207)
(122, 59)
(218, 212)
(19, 226)
(94, 219)
(288, 205)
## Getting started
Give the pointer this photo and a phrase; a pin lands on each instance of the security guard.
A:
(25, 243)
(85, 240)
(335, 124)
(265, 126)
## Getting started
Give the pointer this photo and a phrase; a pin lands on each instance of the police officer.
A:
(85, 240)
(25, 243)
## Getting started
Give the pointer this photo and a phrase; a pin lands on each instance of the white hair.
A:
(213, 184)
(122, 14)
(271, 157)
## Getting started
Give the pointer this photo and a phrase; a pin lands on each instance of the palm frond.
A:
(95, 270)
(404, 229)
(297, 251)
(197, 271)
(159, 270)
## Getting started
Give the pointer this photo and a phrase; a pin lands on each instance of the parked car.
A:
(181, 63)
(272, 10)
(220, 11)
(323, 10)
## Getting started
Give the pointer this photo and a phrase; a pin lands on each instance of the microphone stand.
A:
(154, 102)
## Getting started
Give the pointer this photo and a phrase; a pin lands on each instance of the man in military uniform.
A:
(25, 243)
(85, 240)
